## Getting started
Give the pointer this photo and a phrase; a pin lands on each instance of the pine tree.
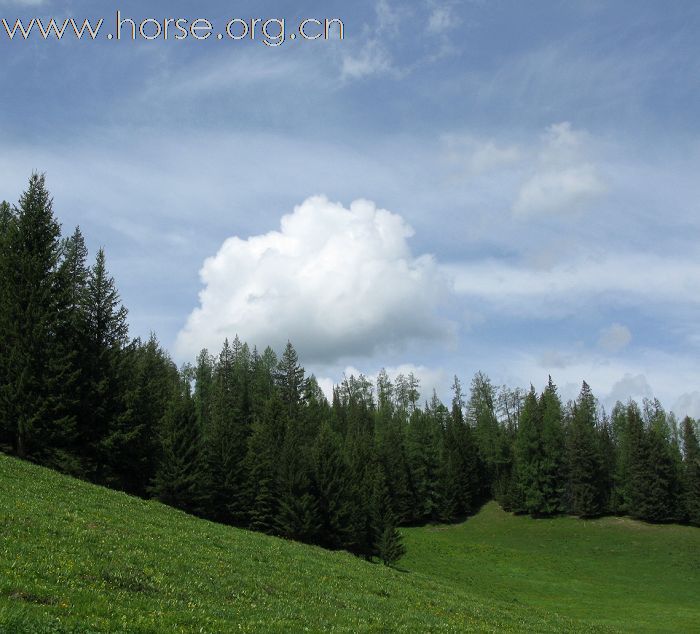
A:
(423, 446)
(31, 409)
(388, 543)
(178, 481)
(289, 379)
(553, 470)
(691, 471)
(226, 442)
(148, 378)
(7, 424)
(482, 417)
(298, 516)
(261, 467)
(460, 481)
(204, 389)
(585, 471)
(107, 336)
(529, 457)
(331, 483)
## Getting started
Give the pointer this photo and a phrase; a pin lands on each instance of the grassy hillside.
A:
(74, 557)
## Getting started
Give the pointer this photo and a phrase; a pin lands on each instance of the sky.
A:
(456, 186)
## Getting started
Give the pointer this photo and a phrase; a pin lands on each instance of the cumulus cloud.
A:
(337, 282)
(615, 338)
(563, 180)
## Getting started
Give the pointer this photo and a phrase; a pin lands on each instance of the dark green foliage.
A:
(148, 378)
(488, 434)
(179, 478)
(331, 483)
(691, 471)
(586, 484)
(388, 543)
(460, 481)
(262, 464)
(529, 458)
(106, 339)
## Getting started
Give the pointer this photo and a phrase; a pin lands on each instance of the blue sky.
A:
(528, 172)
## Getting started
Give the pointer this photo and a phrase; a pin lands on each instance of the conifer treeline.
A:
(247, 438)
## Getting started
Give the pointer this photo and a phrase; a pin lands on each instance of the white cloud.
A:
(615, 338)
(372, 59)
(688, 404)
(372, 56)
(558, 189)
(480, 156)
(629, 386)
(441, 18)
(337, 282)
(622, 279)
(563, 181)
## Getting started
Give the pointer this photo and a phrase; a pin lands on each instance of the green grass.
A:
(79, 558)
(613, 572)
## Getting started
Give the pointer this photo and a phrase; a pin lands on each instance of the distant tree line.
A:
(247, 438)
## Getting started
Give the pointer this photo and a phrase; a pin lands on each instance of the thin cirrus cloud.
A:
(338, 282)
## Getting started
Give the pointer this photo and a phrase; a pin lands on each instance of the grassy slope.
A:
(74, 557)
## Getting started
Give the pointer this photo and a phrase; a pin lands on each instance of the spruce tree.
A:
(107, 337)
(31, 407)
(553, 470)
(179, 478)
(482, 417)
(529, 457)
(225, 442)
(332, 485)
(584, 464)
(298, 516)
(261, 467)
(7, 424)
(691, 471)
(388, 543)
(148, 379)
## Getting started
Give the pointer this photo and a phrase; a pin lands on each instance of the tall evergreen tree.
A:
(262, 464)
(225, 442)
(107, 336)
(553, 468)
(691, 471)
(30, 406)
(529, 457)
(179, 479)
(482, 416)
(332, 486)
(584, 464)
(388, 543)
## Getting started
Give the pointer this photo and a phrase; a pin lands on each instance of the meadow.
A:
(75, 557)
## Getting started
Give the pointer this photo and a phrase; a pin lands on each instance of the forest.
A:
(245, 437)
